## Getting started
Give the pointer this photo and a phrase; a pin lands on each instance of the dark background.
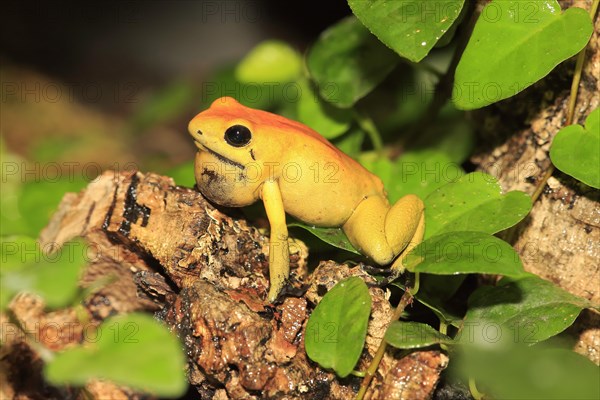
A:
(116, 82)
(151, 40)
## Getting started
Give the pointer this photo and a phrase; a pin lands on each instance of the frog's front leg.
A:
(382, 232)
(279, 254)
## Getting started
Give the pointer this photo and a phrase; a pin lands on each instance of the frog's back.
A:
(320, 184)
(229, 108)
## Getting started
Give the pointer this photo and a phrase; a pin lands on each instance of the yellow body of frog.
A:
(246, 155)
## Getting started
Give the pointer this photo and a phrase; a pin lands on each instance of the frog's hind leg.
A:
(383, 232)
(405, 226)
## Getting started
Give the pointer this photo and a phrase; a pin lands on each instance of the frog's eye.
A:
(238, 135)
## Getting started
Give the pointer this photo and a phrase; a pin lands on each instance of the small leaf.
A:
(321, 116)
(132, 350)
(351, 142)
(465, 253)
(414, 335)
(334, 236)
(255, 95)
(521, 372)
(347, 62)
(269, 62)
(576, 150)
(474, 203)
(409, 27)
(183, 174)
(527, 310)
(418, 172)
(51, 275)
(168, 103)
(515, 44)
(39, 200)
(336, 330)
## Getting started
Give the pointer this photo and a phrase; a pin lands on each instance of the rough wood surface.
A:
(204, 273)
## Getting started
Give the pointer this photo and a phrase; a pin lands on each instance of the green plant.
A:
(133, 349)
(490, 56)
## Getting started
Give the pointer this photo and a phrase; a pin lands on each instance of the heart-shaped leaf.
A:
(473, 203)
(51, 275)
(410, 27)
(529, 372)
(132, 350)
(347, 62)
(515, 44)
(418, 172)
(334, 236)
(576, 150)
(414, 335)
(269, 62)
(336, 330)
(527, 310)
(465, 253)
(321, 116)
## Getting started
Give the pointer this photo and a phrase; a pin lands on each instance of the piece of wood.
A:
(166, 250)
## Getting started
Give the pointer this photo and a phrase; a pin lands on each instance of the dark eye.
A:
(238, 135)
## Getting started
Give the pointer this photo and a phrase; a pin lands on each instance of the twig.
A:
(372, 369)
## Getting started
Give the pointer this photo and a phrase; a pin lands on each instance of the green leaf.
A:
(414, 335)
(464, 253)
(351, 142)
(527, 310)
(39, 200)
(453, 136)
(256, 95)
(321, 116)
(347, 62)
(183, 174)
(270, 61)
(515, 44)
(166, 104)
(409, 27)
(474, 203)
(576, 150)
(334, 236)
(132, 350)
(13, 166)
(524, 372)
(336, 330)
(51, 275)
(418, 172)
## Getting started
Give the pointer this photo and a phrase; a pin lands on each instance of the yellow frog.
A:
(247, 154)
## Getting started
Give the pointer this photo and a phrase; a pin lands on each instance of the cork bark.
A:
(204, 272)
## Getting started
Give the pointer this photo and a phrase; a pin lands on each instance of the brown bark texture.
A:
(165, 249)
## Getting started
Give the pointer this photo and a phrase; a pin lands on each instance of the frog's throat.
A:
(222, 157)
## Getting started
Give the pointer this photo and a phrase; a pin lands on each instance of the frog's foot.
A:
(385, 233)
(394, 274)
(373, 270)
(405, 226)
(290, 290)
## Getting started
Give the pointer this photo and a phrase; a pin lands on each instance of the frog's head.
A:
(230, 138)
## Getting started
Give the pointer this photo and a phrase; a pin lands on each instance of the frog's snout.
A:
(196, 133)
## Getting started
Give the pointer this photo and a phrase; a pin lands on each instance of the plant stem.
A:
(571, 107)
(367, 125)
(372, 369)
(477, 395)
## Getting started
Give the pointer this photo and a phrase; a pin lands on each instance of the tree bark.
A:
(167, 250)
